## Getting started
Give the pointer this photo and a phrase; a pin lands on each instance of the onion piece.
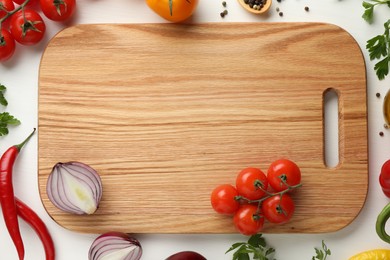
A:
(186, 255)
(115, 246)
(74, 187)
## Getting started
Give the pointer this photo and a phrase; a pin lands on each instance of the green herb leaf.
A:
(256, 240)
(5, 120)
(3, 101)
(382, 68)
(255, 247)
(379, 48)
(234, 246)
(321, 254)
(368, 14)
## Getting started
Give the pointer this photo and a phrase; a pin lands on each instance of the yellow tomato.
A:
(173, 10)
(377, 254)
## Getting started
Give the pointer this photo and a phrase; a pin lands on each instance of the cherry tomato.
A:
(7, 45)
(30, 3)
(248, 182)
(58, 10)
(283, 170)
(278, 209)
(28, 30)
(223, 199)
(6, 6)
(247, 220)
(173, 10)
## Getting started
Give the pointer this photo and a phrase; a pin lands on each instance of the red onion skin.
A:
(186, 255)
(110, 235)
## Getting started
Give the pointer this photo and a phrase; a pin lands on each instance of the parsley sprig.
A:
(379, 49)
(368, 14)
(6, 119)
(323, 253)
(378, 46)
(255, 247)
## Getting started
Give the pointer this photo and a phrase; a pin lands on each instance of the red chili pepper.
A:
(26, 213)
(384, 178)
(7, 198)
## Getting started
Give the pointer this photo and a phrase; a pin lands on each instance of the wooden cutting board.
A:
(166, 112)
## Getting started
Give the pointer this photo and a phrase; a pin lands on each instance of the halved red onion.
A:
(115, 246)
(74, 187)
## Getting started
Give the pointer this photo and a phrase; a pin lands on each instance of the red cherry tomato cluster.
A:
(21, 21)
(257, 197)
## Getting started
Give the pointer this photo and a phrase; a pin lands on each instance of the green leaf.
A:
(243, 257)
(256, 240)
(3, 101)
(5, 120)
(377, 47)
(3, 130)
(269, 251)
(234, 246)
(368, 14)
(367, 5)
(382, 68)
(242, 250)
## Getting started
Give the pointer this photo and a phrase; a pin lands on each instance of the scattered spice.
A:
(378, 95)
(306, 8)
(280, 14)
(224, 12)
(385, 126)
(381, 133)
(277, 9)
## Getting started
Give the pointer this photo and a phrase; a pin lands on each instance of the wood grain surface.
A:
(166, 112)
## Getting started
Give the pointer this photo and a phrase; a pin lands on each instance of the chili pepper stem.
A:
(19, 146)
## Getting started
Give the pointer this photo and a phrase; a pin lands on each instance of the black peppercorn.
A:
(306, 8)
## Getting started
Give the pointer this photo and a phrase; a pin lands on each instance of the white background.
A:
(20, 75)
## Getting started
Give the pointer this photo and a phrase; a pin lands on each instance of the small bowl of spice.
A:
(256, 6)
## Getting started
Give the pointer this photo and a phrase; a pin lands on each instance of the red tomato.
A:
(27, 30)
(283, 170)
(223, 199)
(7, 45)
(278, 209)
(247, 220)
(19, 2)
(59, 10)
(6, 6)
(248, 182)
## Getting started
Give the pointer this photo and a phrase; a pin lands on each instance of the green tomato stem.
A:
(269, 194)
(13, 11)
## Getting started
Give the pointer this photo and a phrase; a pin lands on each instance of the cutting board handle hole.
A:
(331, 128)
